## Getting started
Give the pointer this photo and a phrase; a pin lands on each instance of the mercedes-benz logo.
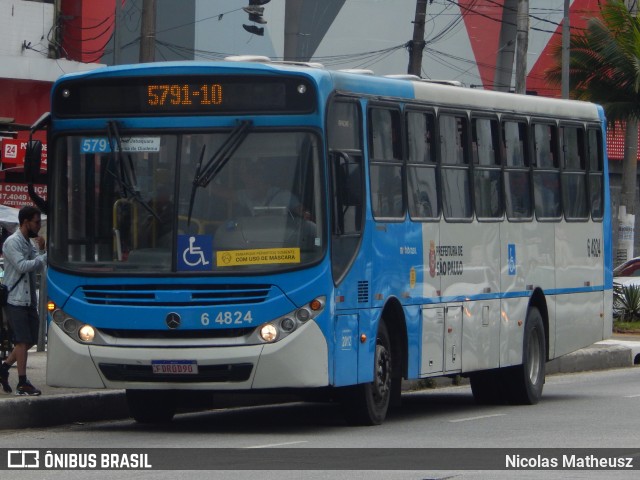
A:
(172, 320)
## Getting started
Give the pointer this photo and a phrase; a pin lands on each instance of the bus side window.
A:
(517, 187)
(454, 155)
(595, 155)
(574, 173)
(545, 142)
(422, 184)
(385, 151)
(546, 174)
(487, 172)
(348, 193)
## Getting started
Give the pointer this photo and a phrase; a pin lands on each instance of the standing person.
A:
(21, 262)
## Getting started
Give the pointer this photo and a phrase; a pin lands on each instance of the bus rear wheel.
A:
(367, 404)
(525, 382)
(151, 406)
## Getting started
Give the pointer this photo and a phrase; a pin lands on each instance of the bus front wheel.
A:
(367, 404)
(151, 406)
(526, 381)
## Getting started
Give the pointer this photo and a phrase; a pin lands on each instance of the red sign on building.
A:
(13, 152)
(16, 195)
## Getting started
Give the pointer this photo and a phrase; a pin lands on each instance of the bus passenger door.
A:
(432, 357)
(453, 338)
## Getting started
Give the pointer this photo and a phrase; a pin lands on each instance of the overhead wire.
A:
(446, 59)
(360, 59)
(469, 9)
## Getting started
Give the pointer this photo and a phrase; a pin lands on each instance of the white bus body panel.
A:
(553, 257)
(68, 362)
(579, 260)
(298, 361)
(432, 359)
(473, 253)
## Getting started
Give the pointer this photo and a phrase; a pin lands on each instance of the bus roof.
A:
(401, 87)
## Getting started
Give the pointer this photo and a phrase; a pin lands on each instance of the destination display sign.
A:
(183, 95)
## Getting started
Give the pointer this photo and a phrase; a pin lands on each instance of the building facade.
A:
(465, 40)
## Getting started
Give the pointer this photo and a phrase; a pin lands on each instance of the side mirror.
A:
(32, 160)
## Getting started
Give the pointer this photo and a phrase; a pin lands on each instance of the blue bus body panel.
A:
(607, 221)
(121, 311)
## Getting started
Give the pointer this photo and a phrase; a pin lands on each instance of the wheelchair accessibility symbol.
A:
(195, 252)
(511, 253)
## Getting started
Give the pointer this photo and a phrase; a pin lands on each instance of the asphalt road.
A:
(584, 410)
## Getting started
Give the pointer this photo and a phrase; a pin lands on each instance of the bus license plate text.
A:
(175, 367)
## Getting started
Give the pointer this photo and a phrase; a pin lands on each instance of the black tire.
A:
(525, 382)
(151, 406)
(367, 404)
(488, 387)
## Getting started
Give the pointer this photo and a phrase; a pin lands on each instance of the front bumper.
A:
(298, 361)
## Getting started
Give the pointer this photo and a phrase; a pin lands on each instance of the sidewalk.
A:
(58, 406)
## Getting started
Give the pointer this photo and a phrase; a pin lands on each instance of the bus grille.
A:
(235, 372)
(178, 334)
(175, 295)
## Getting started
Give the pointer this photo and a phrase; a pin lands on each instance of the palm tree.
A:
(604, 67)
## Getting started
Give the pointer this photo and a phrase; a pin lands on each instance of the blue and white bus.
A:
(260, 226)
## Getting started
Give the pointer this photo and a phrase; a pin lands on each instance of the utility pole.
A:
(416, 46)
(54, 46)
(292, 17)
(117, 33)
(148, 32)
(566, 32)
(506, 46)
(522, 45)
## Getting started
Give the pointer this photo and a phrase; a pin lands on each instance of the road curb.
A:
(51, 410)
(595, 357)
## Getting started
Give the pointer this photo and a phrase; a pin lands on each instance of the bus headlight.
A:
(86, 333)
(74, 328)
(268, 333)
(281, 327)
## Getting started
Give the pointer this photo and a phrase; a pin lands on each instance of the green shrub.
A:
(626, 303)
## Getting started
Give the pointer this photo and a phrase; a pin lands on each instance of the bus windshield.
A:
(142, 204)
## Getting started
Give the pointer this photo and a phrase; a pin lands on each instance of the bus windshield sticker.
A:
(129, 144)
(195, 252)
(263, 256)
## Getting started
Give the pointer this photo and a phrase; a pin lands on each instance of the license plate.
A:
(175, 367)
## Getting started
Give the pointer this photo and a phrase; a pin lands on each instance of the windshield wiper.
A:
(220, 158)
(204, 175)
(194, 188)
(127, 180)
